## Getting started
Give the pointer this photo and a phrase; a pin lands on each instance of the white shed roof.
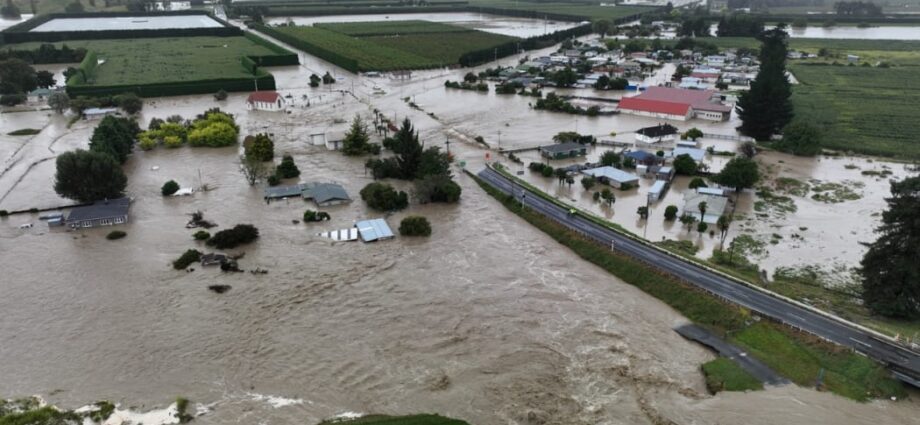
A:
(611, 173)
(374, 229)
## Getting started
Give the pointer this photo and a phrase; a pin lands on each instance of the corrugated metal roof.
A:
(696, 154)
(284, 191)
(657, 187)
(563, 147)
(374, 229)
(341, 234)
(100, 209)
(611, 173)
(325, 192)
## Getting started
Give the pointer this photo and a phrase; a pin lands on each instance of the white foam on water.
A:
(168, 415)
(274, 400)
(348, 415)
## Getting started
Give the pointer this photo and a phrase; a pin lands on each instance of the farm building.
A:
(326, 194)
(658, 133)
(657, 190)
(100, 213)
(563, 150)
(665, 173)
(715, 206)
(374, 230)
(331, 139)
(676, 104)
(265, 101)
(613, 176)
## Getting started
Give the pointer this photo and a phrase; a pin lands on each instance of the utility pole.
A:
(447, 143)
(499, 141)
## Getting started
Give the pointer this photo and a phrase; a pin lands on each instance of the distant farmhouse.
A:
(658, 133)
(676, 104)
(265, 101)
(100, 213)
(323, 194)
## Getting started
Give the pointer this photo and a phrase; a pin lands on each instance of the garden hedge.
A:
(265, 82)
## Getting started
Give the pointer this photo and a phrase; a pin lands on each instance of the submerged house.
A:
(563, 150)
(374, 230)
(108, 212)
(283, 192)
(613, 176)
(326, 194)
(715, 206)
(658, 133)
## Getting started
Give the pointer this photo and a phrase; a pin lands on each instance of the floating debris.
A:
(220, 289)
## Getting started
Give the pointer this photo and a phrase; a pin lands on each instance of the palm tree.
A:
(723, 224)
(688, 220)
(608, 196)
(702, 206)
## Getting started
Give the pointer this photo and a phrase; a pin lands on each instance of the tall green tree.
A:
(408, 150)
(87, 176)
(889, 269)
(115, 136)
(356, 140)
(17, 76)
(766, 108)
(261, 147)
(739, 173)
(601, 26)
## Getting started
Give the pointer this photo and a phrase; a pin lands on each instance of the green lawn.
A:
(398, 420)
(425, 45)
(723, 374)
(156, 60)
(585, 11)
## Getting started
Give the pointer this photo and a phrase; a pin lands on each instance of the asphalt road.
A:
(755, 367)
(905, 363)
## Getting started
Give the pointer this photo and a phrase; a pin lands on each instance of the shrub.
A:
(261, 148)
(287, 169)
(231, 238)
(670, 213)
(274, 180)
(12, 99)
(311, 216)
(381, 196)
(685, 165)
(4, 213)
(220, 95)
(697, 182)
(169, 188)
(115, 234)
(201, 235)
(182, 411)
(189, 257)
(415, 226)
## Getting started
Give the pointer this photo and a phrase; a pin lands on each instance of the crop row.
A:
(365, 29)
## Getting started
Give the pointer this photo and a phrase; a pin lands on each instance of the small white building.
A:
(657, 190)
(99, 113)
(656, 134)
(265, 101)
(331, 139)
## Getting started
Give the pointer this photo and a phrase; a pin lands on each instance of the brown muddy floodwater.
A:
(488, 320)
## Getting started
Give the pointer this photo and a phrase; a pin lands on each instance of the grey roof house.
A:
(108, 212)
(281, 192)
(563, 150)
(326, 194)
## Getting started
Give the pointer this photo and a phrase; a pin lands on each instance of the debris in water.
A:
(220, 289)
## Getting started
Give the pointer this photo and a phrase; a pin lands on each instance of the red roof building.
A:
(265, 101)
(676, 104)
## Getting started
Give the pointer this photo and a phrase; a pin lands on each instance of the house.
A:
(658, 133)
(689, 143)
(265, 101)
(676, 104)
(693, 83)
(697, 154)
(614, 177)
(326, 194)
(100, 213)
(40, 95)
(657, 190)
(98, 113)
(374, 230)
(282, 192)
(852, 58)
(714, 191)
(665, 173)
(715, 60)
(331, 139)
(563, 150)
(644, 158)
(706, 74)
(715, 206)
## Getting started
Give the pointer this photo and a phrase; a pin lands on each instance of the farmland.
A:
(863, 109)
(583, 11)
(367, 29)
(156, 60)
(388, 47)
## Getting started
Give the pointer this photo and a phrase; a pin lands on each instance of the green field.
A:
(426, 45)
(156, 60)
(366, 29)
(585, 11)
(723, 374)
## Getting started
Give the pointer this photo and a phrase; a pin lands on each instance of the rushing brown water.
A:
(487, 320)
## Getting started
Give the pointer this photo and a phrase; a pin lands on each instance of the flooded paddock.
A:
(488, 320)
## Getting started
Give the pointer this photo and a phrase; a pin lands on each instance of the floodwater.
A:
(882, 32)
(127, 23)
(506, 25)
(487, 320)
